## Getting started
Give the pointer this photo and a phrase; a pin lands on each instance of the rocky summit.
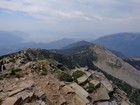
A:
(36, 77)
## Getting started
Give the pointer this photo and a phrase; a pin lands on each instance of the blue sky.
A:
(70, 18)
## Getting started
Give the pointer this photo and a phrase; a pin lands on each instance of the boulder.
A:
(26, 96)
(88, 74)
(40, 95)
(100, 95)
(62, 100)
(12, 101)
(83, 94)
(12, 93)
(27, 84)
(95, 82)
(77, 101)
(67, 89)
(125, 103)
(107, 103)
(107, 85)
(82, 79)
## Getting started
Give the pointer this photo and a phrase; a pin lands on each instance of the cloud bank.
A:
(94, 17)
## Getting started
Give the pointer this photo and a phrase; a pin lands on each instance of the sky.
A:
(47, 20)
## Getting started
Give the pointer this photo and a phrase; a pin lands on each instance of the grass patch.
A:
(65, 76)
(111, 65)
(14, 71)
(78, 74)
(90, 88)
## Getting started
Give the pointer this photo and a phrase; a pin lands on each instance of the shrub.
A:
(90, 87)
(111, 65)
(17, 70)
(77, 74)
(65, 76)
(13, 72)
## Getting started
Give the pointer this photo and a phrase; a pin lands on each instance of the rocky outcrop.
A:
(80, 92)
(12, 101)
(107, 103)
(106, 83)
(101, 94)
(68, 90)
(30, 87)
(95, 82)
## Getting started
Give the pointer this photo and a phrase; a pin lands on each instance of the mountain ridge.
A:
(84, 57)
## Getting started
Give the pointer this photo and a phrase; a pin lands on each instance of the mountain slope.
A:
(34, 77)
(126, 43)
(97, 58)
(95, 55)
(77, 45)
(115, 66)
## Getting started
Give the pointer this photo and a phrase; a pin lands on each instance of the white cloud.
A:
(99, 16)
(71, 8)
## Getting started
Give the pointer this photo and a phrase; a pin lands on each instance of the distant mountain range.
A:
(126, 43)
(15, 40)
(9, 38)
(122, 44)
(68, 54)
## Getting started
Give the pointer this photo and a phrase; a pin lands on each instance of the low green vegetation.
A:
(77, 74)
(11, 73)
(100, 58)
(90, 87)
(65, 76)
(15, 73)
(111, 65)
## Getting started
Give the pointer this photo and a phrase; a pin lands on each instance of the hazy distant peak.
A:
(76, 44)
(126, 43)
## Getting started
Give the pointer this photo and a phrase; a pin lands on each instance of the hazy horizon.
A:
(51, 20)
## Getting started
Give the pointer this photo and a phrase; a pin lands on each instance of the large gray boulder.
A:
(101, 94)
